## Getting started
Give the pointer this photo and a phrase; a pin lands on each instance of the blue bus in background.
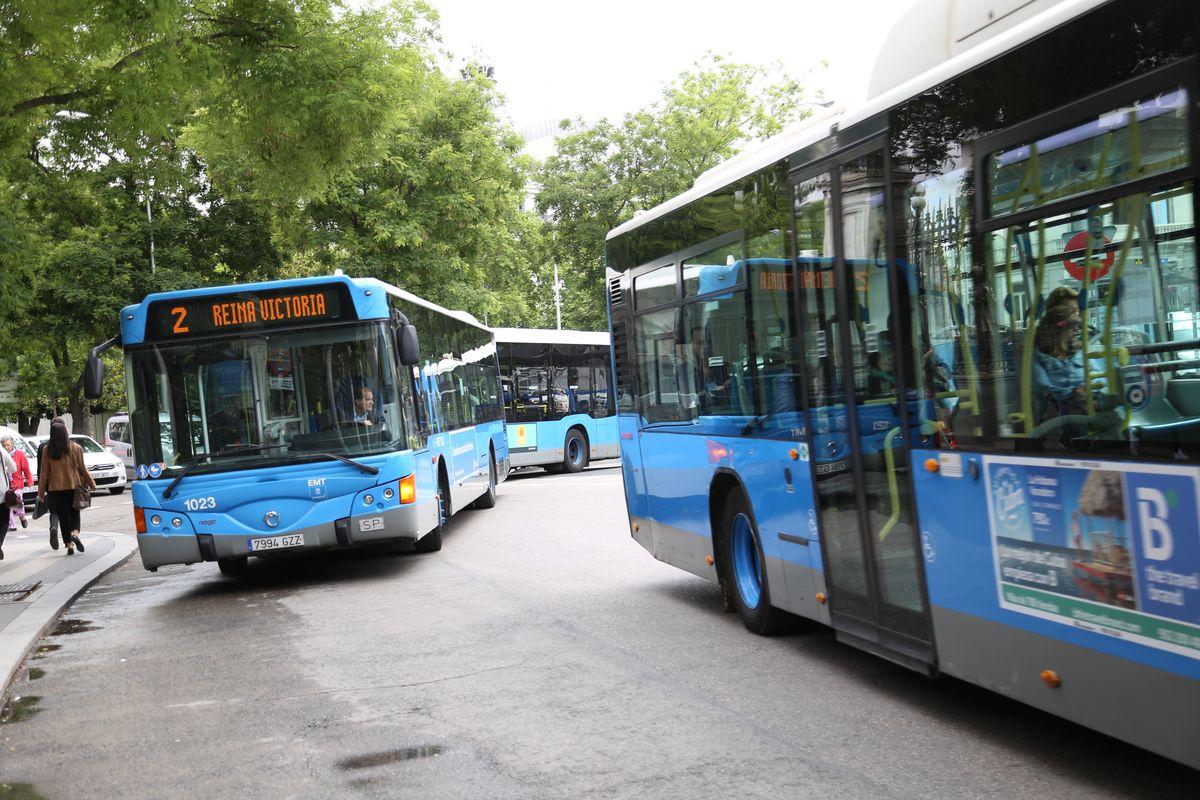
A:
(304, 414)
(927, 371)
(557, 397)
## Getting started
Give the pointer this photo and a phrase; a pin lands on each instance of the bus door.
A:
(859, 408)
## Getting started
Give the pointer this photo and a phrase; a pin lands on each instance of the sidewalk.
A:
(60, 578)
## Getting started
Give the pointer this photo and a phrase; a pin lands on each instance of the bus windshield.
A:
(276, 395)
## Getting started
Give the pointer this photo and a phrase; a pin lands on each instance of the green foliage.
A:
(438, 211)
(603, 174)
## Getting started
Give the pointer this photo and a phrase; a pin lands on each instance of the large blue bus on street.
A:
(927, 370)
(557, 397)
(304, 414)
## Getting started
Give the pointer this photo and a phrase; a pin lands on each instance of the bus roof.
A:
(550, 336)
(924, 36)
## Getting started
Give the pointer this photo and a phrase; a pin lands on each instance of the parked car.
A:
(106, 468)
(29, 493)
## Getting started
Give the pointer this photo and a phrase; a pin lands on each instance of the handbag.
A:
(11, 500)
(83, 498)
(39, 509)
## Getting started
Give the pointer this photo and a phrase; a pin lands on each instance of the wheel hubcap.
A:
(574, 451)
(747, 572)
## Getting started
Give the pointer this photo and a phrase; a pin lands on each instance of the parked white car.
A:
(106, 468)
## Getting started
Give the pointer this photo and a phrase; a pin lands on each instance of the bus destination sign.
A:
(230, 313)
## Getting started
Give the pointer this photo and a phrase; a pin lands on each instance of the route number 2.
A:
(180, 315)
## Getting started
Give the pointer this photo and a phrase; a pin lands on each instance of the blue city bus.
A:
(927, 370)
(557, 397)
(306, 414)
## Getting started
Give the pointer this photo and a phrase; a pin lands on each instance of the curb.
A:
(19, 636)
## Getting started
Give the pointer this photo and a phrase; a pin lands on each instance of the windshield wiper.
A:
(203, 458)
(356, 464)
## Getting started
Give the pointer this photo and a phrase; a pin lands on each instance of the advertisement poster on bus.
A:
(1113, 548)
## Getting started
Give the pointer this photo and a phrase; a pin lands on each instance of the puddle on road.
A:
(19, 709)
(69, 626)
(34, 673)
(369, 760)
(19, 791)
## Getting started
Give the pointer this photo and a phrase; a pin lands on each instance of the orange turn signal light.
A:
(709, 560)
(1051, 678)
(794, 454)
(635, 527)
(408, 489)
(931, 465)
(821, 598)
(139, 519)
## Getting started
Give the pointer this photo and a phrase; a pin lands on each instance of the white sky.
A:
(566, 58)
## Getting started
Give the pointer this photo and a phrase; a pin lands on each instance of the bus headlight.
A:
(369, 499)
(388, 493)
(156, 520)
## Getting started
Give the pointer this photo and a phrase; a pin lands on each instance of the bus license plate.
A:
(274, 542)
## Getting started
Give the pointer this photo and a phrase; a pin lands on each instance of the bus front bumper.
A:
(393, 525)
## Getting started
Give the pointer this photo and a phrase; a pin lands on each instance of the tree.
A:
(439, 211)
(275, 98)
(602, 174)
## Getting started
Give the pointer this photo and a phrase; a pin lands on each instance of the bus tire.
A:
(575, 451)
(432, 541)
(233, 567)
(743, 567)
(488, 498)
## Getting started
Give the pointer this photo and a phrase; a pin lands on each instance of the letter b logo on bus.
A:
(1157, 542)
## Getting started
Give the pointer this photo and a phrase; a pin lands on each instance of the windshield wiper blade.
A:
(235, 450)
(356, 464)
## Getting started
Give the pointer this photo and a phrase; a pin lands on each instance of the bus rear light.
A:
(408, 489)
(139, 519)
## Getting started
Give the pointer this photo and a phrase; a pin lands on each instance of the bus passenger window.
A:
(1092, 328)
(659, 361)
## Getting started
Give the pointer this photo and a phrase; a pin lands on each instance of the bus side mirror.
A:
(93, 378)
(406, 341)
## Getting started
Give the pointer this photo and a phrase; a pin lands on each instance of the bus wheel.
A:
(432, 541)
(575, 451)
(233, 567)
(744, 569)
(488, 498)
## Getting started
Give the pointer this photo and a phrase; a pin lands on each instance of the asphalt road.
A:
(540, 654)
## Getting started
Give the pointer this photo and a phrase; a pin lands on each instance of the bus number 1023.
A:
(200, 503)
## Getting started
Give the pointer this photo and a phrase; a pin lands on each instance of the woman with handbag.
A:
(64, 483)
(7, 468)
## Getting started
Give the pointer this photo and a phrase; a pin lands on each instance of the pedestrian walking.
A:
(7, 468)
(64, 484)
(20, 479)
(41, 454)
